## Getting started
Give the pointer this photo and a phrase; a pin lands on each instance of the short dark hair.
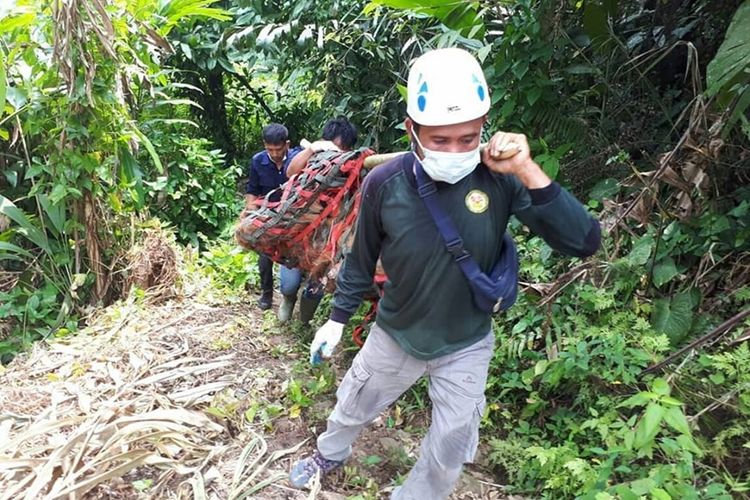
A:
(343, 129)
(275, 133)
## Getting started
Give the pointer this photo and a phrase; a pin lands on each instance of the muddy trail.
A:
(195, 399)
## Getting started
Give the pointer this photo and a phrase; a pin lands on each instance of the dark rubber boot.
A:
(266, 300)
(307, 308)
(286, 308)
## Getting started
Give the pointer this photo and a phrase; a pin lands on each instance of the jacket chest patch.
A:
(477, 201)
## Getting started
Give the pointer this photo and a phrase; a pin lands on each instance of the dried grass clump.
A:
(87, 415)
(153, 266)
(6, 326)
(8, 280)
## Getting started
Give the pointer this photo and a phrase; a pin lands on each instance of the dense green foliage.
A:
(139, 109)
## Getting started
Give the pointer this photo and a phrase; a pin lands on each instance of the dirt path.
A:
(189, 400)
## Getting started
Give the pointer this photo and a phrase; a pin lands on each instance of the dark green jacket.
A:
(427, 305)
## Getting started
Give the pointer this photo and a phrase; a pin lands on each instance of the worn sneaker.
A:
(307, 468)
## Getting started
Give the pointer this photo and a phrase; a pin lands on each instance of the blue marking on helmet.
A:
(480, 88)
(421, 98)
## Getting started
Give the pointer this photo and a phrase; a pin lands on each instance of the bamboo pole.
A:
(372, 161)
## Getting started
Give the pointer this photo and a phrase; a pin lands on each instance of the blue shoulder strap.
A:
(453, 242)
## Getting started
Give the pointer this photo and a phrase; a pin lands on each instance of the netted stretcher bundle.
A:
(311, 225)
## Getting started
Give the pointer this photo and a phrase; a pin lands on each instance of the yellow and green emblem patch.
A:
(477, 201)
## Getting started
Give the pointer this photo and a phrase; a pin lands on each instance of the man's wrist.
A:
(532, 176)
(340, 316)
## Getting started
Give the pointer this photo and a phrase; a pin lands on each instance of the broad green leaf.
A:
(12, 177)
(16, 97)
(462, 16)
(540, 367)
(673, 316)
(649, 425)
(641, 251)
(741, 105)
(401, 90)
(624, 493)
(14, 249)
(660, 387)
(484, 52)
(19, 21)
(640, 399)
(733, 57)
(606, 188)
(11, 256)
(58, 193)
(675, 418)
(660, 494)
(459, 16)
(149, 148)
(664, 271)
(669, 400)
(642, 486)
(686, 442)
(178, 10)
(533, 95)
(26, 227)
(131, 176)
(55, 213)
(628, 440)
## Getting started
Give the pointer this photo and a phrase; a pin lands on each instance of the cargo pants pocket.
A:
(473, 442)
(350, 392)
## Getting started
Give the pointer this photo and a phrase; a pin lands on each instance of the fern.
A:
(734, 364)
(724, 443)
(551, 122)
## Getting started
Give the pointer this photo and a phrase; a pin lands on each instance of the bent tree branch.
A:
(256, 96)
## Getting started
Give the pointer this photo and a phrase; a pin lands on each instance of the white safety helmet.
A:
(445, 87)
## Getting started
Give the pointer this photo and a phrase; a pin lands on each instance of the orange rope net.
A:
(311, 225)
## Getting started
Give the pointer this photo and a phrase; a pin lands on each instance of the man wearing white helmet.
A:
(431, 321)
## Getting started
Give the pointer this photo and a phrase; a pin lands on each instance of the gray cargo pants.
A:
(380, 373)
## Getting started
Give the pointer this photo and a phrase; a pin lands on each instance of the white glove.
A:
(326, 339)
(319, 146)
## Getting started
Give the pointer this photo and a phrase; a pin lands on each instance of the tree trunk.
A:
(215, 112)
(93, 249)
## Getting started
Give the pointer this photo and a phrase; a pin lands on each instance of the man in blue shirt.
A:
(267, 172)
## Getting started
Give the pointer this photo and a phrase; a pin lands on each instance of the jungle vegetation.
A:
(626, 375)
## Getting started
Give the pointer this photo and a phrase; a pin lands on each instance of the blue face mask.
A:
(447, 167)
